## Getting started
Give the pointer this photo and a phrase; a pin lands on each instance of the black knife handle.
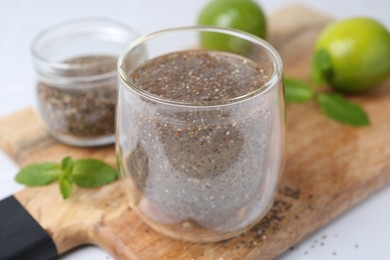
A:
(21, 237)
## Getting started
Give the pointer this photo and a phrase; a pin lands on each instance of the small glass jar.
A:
(200, 132)
(76, 91)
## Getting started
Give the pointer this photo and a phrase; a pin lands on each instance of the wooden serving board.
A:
(330, 167)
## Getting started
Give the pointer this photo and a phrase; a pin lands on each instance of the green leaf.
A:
(85, 173)
(340, 109)
(297, 91)
(321, 69)
(67, 165)
(38, 174)
(89, 173)
(66, 186)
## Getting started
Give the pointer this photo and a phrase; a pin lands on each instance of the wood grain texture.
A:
(330, 167)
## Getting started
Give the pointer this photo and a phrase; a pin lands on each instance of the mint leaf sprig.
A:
(86, 173)
(321, 67)
(297, 91)
(337, 107)
(333, 105)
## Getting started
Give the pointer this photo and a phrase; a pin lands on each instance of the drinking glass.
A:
(200, 167)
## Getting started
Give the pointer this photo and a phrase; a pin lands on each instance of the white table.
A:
(361, 233)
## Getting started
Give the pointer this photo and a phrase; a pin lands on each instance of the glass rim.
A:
(60, 65)
(270, 84)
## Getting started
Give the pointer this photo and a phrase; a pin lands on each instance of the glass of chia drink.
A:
(200, 132)
(75, 63)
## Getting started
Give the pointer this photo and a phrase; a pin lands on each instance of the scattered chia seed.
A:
(309, 207)
(272, 221)
(81, 112)
(294, 193)
(214, 162)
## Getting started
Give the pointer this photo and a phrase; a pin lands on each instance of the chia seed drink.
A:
(87, 112)
(199, 142)
(75, 64)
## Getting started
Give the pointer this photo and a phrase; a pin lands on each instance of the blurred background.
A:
(21, 20)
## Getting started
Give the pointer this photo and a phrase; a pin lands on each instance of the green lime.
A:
(245, 15)
(358, 51)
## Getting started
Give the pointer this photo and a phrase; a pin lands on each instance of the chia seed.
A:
(199, 76)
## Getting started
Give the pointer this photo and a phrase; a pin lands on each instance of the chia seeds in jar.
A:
(76, 90)
(200, 135)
